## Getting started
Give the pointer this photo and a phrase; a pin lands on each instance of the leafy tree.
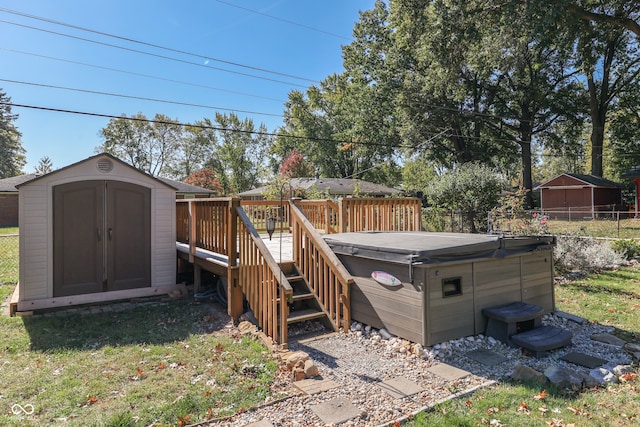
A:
(417, 174)
(195, 148)
(44, 166)
(239, 153)
(205, 178)
(296, 166)
(148, 145)
(12, 154)
(472, 188)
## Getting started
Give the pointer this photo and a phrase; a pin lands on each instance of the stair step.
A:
(542, 339)
(303, 315)
(300, 297)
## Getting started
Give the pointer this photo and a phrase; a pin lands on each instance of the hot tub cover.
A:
(415, 247)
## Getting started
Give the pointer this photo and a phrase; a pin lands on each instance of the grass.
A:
(611, 298)
(624, 229)
(155, 364)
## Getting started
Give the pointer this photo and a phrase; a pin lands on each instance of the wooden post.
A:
(342, 216)
(327, 217)
(234, 289)
(192, 231)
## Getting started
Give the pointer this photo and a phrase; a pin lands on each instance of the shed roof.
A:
(582, 180)
(335, 186)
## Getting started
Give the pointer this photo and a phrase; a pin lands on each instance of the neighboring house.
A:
(335, 187)
(188, 191)
(9, 199)
(583, 194)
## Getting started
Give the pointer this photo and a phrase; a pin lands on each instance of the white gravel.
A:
(360, 359)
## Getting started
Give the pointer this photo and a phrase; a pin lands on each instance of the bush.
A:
(629, 248)
(584, 254)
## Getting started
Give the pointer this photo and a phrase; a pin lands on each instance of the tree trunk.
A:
(597, 142)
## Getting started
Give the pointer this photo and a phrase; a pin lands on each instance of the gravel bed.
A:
(360, 359)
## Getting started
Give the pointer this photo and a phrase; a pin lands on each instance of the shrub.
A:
(585, 254)
(628, 247)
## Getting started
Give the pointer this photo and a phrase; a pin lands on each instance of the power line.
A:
(141, 98)
(199, 126)
(100, 67)
(151, 54)
(197, 55)
(284, 20)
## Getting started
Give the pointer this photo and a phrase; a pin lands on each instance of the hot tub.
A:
(432, 287)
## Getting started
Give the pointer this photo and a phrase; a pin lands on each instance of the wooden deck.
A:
(271, 274)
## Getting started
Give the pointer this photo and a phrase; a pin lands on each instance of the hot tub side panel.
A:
(537, 280)
(448, 310)
(399, 309)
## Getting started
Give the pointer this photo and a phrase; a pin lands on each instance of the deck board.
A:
(280, 246)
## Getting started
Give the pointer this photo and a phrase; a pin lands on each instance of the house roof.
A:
(335, 186)
(586, 180)
(8, 185)
(181, 187)
(634, 172)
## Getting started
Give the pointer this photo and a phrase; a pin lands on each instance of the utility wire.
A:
(284, 20)
(197, 55)
(137, 97)
(149, 76)
(151, 54)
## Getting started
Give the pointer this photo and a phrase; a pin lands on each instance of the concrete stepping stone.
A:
(313, 386)
(448, 372)
(486, 357)
(583, 359)
(608, 339)
(336, 411)
(262, 423)
(577, 319)
(400, 387)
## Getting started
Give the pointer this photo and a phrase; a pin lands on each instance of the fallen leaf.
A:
(541, 395)
(524, 408)
(629, 376)
(92, 400)
(543, 409)
(492, 410)
(468, 403)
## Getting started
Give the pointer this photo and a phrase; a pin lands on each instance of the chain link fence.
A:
(9, 259)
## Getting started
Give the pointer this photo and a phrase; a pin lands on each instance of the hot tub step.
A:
(542, 339)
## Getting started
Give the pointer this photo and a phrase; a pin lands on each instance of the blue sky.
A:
(301, 39)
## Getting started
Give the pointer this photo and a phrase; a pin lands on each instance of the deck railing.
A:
(259, 210)
(378, 214)
(323, 214)
(325, 274)
(203, 223)
(263, 283)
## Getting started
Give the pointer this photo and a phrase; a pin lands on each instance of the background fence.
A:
(9, 258)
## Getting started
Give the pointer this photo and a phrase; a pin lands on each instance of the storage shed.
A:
(95, 231)
(432, 287)
(583, 195)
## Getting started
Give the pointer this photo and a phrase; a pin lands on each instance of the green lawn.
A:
(611, 298)
(624, 229)
(152, 365)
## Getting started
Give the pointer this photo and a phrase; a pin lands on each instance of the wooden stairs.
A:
(303, 305)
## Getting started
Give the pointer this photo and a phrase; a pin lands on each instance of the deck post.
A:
(342, 216)
(192, 231)
(234, 290)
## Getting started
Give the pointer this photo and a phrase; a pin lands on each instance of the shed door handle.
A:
(110, 233)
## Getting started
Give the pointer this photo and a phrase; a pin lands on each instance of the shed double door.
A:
(101, 237)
